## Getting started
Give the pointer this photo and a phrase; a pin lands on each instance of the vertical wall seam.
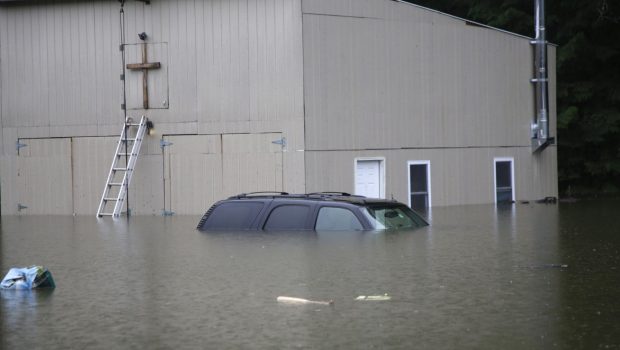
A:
(71, 167)
(2, 14)
(5, 30)
(303, 94)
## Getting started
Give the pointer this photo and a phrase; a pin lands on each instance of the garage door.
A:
(252, 162)
(92, 157)
(202, 169)
(192, 173)
(44, 176)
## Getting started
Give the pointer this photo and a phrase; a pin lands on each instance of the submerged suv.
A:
(324, 211)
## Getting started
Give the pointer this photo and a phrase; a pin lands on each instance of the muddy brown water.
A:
(523, 276)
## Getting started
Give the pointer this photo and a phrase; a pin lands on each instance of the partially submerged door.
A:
(44, 176)
(419, 185)
(504, 180)
(202, 169)
(91, 158)
(192, 173)
(252, 162)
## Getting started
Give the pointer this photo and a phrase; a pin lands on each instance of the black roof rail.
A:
(260, 193)
(331, 193)
(314, 195)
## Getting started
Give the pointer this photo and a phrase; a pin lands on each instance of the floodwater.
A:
(524, 276)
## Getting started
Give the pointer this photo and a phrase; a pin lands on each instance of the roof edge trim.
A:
(468, 21)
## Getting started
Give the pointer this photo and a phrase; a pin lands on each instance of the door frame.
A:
(511, 160)
(428, 180)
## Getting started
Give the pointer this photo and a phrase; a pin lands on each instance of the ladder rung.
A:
(115, 184)
(123, 154)
(133, 124)
(105, 214)
(132, 140)
(119, 169)
(110, 199)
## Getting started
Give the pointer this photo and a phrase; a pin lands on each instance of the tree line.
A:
(588, 70)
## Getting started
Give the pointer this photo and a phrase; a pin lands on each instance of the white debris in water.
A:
(301, 301)
(374, 297)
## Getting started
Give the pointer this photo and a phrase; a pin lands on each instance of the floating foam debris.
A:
(374, 297)
(300, 301)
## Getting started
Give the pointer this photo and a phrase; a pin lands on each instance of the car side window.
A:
(288, 217)
(337, 219)
(233, 216)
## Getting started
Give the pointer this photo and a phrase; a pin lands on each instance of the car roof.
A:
(314, 196)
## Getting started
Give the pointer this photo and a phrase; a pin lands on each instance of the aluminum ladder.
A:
(122, 168)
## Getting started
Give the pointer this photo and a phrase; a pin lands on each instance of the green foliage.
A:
(588, 69)
(567, 116)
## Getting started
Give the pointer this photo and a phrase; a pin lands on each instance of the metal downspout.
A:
(124, 95)
(540, 126)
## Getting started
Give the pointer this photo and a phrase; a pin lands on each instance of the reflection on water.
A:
(480, 277)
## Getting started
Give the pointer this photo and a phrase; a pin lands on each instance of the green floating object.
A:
(374, 297)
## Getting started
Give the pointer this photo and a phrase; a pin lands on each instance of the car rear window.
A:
(233, 216)
(288, 217)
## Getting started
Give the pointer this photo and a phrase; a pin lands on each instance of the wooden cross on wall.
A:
(145, 65)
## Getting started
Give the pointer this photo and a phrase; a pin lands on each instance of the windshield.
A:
(387, 216)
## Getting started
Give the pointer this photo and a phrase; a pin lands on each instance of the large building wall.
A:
(228, 67)
(339, 79)
(402, 83)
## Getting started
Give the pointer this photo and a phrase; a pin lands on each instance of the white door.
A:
(368, 179)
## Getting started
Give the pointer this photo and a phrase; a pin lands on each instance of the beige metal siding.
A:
(60, 65)
(408, 77)
(44, 176)
(230, 62)
(2, 146)
(226, 61)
